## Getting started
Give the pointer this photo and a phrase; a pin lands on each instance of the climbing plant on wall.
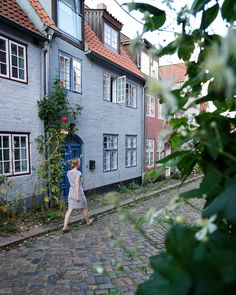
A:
(200, 259)
(59, 117)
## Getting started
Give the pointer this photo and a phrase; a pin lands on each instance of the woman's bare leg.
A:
(86, 216)
(67, 216)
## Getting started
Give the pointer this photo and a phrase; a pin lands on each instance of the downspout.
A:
(45, 63)
(143, 127)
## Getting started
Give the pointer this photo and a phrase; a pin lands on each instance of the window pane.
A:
(17, 154)
(14, 72)
(3, 57)
(13, 49)
(69, 20)
(6, 154)
(3, 69)
(21, 51)
(6, 167)
(110, 36)
(5, 141)
(113, 160)
(77, 75)
(16, 142)
(65, 71)
(107, 87)
(24, 166)
(17, 166)
(21, 63)
(2, 45)
(14, 60)
(22, 74)
(23, 154)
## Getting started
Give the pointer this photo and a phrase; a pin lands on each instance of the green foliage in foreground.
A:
(200, 259)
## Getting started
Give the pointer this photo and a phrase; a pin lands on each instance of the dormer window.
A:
(69, 18)
(110, 37)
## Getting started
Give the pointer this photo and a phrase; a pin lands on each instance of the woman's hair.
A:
(75, 162)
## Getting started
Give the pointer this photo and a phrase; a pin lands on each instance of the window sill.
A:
(135, 108)
(16, 175)
(105, 171)
(14, 80)
(131, 166)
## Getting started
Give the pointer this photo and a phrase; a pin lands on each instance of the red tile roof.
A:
(122, 59)
(10, 10)
(42, 14)
(176, 72)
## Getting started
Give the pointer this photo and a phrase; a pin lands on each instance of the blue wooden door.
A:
(71, 151)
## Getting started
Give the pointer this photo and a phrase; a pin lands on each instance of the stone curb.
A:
(39, 231)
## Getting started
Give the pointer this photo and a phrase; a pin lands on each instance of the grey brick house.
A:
(97, 72)
(21, 45)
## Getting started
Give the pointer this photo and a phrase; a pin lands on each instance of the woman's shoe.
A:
(91, 222)
(64, 231)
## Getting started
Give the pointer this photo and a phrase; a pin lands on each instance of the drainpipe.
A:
(45, 63)
(143, 127)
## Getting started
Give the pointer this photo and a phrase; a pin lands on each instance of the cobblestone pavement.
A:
(66, 263)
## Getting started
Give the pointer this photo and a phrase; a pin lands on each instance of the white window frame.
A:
(160, 110)
(160, 150)
(131, 151)
(74, 60)
(75, 19)
(131, 95)
(10, 154)
(109, 37)
(27, 153)
(150, 106)
(64, 70)
(7, 57)
(71, 60)
(112, 139)
(10, 57)
(109, 94)
(11, 137)
(150, 151)
(121, 89)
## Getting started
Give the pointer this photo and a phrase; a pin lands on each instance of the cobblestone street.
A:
(66, 264)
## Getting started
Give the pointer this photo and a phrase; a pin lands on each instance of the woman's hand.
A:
(78, 198)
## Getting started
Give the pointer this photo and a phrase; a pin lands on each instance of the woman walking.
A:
(76, 197)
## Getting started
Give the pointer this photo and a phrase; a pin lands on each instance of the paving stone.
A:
(65, 264)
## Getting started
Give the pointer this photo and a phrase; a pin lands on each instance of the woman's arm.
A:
(77, 185)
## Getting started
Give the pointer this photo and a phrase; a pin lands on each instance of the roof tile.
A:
(121, 59)
(42, 14)
(10, 10)
(176, 72)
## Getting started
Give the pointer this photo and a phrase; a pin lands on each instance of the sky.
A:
(157, 38)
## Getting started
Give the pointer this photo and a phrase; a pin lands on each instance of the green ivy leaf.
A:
(208, 16)
(228, 10)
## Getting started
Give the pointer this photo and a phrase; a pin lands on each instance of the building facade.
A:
(98, 74)
(21, 45)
